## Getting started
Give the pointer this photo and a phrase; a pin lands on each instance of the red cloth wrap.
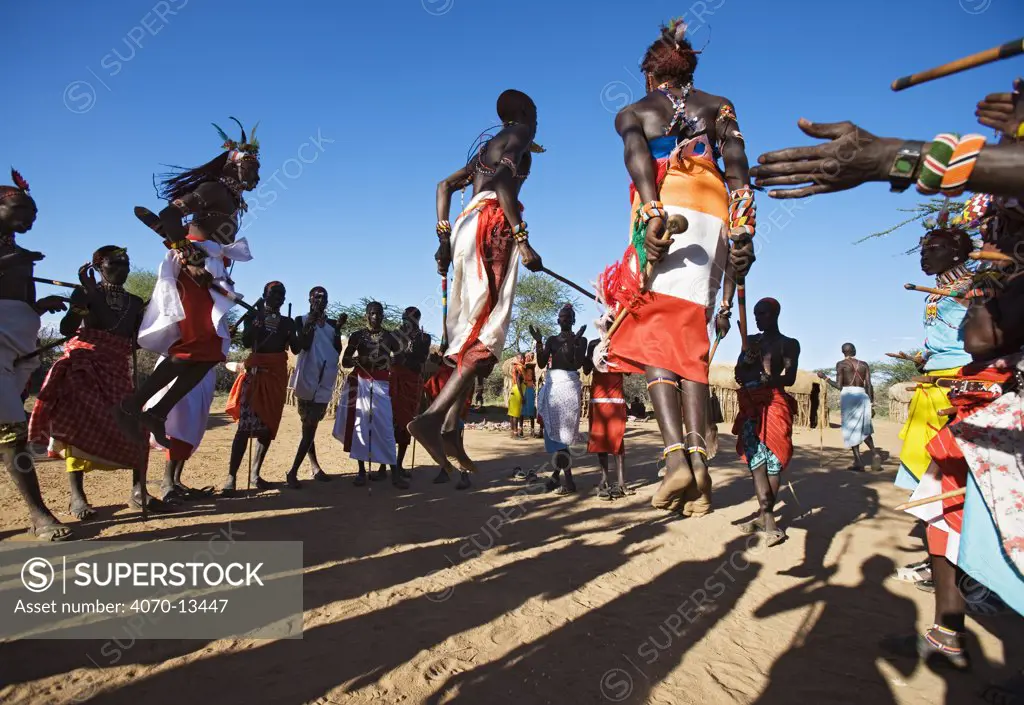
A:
(772, 410)
(494, 247)
(198, 340)
(436, 383)
(267, 389)
(406, 393)
(946, 454)
(78, 398)
(607, 420)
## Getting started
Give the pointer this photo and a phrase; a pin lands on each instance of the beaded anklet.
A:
(671, 449)
(662, 380)
(954, 650)
(696, 449)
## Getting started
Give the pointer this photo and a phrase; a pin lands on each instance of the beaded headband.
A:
(240, 149)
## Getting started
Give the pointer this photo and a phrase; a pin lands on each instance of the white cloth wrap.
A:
(468, 294)
(187, 420)
(855, 407)
(371, 422)
(159, 329)
(316, 369)
(559, 404)
(19, 331)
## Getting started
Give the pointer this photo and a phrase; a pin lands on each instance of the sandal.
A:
(519, 475)
(563, 490)
(752, 527)
(915, 572)
(52, 533)
(604, 492)
(773, 538)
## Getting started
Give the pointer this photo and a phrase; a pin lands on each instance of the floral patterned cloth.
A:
(992, 443)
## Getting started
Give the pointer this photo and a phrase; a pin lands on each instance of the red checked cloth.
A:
(77, 402)
(772, 410)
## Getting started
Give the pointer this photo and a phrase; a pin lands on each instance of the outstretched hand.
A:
(531, 260)
(51, 304)
(851, 157)
(86, 275)
(536, 334)
(342, 319)
(580, 332)
(1003, 111)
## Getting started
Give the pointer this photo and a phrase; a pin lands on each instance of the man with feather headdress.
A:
(186, 319)
(19, 326)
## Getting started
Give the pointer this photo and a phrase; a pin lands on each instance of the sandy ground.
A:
(429, 596)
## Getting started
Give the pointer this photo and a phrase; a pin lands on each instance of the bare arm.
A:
(447, 187)
(637, 154)
(543, 353)
(790, 362)
(73, 318)
(503, 180)
(732, 147)
(837, 384)
(348, 360)
(867, 384)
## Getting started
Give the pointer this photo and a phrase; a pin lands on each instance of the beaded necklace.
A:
(117, 301)
(679, 104)
(959, 279)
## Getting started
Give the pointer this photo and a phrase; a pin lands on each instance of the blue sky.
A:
(365, 106)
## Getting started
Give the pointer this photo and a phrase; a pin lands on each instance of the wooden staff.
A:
(676, 224)
(948, 411)
(412, 463)
(714, 348)
(991, 256)
(900, 356)
(39, 351)
(933, 290)
(928, 500)
(56, 282)
(741, 302)
(567, 282)
(998, 53)
(444, 310)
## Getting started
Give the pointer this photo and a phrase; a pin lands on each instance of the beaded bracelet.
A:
(742, 213)
(520, 232)
(671, 449)
(444, 228)
(961, 164)
(654, 209)
(934, 166)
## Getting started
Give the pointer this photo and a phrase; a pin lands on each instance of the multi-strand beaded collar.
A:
(958, 279)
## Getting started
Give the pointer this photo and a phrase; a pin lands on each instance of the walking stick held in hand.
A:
(676, 225)
(569, 283)
(1004, 51)
(741, 301)
(444, 312)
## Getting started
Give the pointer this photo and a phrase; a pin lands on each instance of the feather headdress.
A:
(248, 144)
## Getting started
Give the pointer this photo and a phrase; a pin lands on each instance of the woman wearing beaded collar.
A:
(486, 245)
(674, 137)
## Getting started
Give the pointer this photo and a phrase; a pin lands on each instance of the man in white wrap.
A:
(559, 400)
(365, 422)
(186, 421)
(186, 318)
(856, 404)
(19, 328)
(486, 246)
(314, 377)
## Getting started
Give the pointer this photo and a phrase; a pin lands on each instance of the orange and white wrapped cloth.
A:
(667, 325)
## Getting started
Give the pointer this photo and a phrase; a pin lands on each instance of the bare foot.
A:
(128, 423)
(155, 425)
(463, 483)
(678, 479)
(453, 448)
(427, 430)
(442, 477)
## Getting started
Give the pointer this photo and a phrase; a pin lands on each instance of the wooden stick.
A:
(1004, 51)
(899, 356)
(444, 312)
(56, 282)
(991, 256)
(928, 500)
(741, 302)
(412, 463)
(933, 290)
(39, 351)
(569, 283)
(948, 411)
(711, 356)
(676, 225)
